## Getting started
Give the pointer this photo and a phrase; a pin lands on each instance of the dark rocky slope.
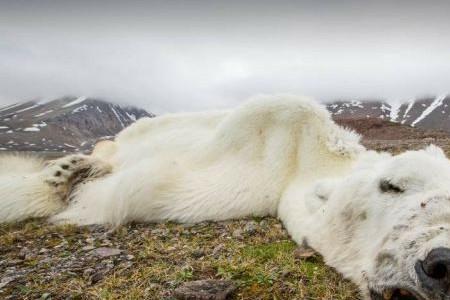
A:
(63, 125)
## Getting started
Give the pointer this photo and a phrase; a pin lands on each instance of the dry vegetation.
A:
(149, 261)
(44, 261)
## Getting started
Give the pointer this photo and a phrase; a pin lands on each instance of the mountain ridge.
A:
(67, 124)
(426, 113)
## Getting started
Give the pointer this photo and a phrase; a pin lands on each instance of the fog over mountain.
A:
(190, 55)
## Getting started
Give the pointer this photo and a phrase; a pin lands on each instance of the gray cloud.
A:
(190, 55)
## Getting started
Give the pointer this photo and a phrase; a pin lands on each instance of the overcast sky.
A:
(190, 55)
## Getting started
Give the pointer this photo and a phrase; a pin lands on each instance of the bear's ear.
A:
(435, 151)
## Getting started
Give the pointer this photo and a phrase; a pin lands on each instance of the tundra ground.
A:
(149, 261)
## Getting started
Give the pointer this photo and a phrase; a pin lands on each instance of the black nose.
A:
(433, 272)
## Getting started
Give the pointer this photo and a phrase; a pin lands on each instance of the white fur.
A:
(213, 166)
(23, 190)
(275, 155)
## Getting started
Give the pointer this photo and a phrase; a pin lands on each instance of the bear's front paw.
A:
(64, 173)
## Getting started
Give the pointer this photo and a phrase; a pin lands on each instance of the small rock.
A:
(96, 277)
(45, 260)
(23, 253)
(250, 228)
(63, 244)
(285, 274)
(198, 253)
(205, 290)
(216, 251)
(95, 228)
(88, 272)
(160, 232)
(107, 252)
(263, 223)
(237, 234)
(188, 225)
(14, 262)
(303, 252)
(6, 280)
(153, 285)
(88, 248)
(106, 243)
(111, 232)
(109, 266)
(130, 257)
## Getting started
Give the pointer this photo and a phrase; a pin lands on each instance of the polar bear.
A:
(382, 221)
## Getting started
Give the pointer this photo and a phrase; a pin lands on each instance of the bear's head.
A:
(386, 225)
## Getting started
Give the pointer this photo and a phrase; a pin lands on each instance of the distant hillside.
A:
(378, 129)
(67, 124)
(426, 113)
(73, 124)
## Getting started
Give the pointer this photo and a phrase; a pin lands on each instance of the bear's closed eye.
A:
(388, 187)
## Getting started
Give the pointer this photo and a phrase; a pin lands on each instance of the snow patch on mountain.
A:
(31, 129)
(43, 113)
(117, 116)
(75, 102)
(393, 114)
(435, 104)
(28, 108)
(81, 108)
(131, 116)
(408, 108)
(10, 106)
